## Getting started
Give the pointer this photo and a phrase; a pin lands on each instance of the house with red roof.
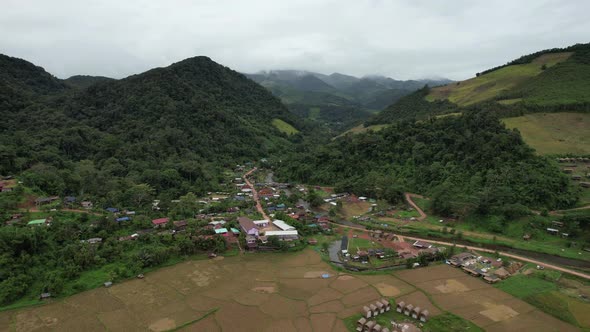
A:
(161, 222)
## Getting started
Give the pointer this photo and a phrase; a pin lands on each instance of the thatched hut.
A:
(360, 324)
(424, 315)
(367, 313)
(386, 304)
(400, 307)
(416, 312)
(408, 310)
(380, 307)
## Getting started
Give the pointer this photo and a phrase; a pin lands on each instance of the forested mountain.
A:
(172, 128)
(84, 81)
(549, 80)
(467, 164)
(336, 100)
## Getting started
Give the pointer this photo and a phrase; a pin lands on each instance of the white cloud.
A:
(401, 39)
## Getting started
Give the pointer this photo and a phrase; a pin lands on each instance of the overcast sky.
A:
(400, 39)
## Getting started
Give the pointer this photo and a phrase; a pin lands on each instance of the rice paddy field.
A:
(277, 292)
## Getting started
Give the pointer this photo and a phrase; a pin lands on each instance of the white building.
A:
(283, 225)
(283, 235)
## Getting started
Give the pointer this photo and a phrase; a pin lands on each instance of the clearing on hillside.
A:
(554, 133)
(489, 85)
(284, 127)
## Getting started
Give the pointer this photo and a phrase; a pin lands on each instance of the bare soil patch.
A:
(322, 322)
(499, 312)
(451, 286)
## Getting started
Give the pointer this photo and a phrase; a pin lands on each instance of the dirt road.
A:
(255, 193)
(414, 205)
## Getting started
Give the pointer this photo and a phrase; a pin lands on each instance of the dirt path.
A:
(521, 258)
(414, 205)
(255, 193)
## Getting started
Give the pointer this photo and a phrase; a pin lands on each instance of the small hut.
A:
(108, 284)
(416, 312)
(360, 324)
(367, 312)
(369, 326)
(380, 307)
(385, 330)
(386, 304)
(44, 296)
(408, 310)
(377, 328)
(374, 310)
(400, 307)
(424, 315)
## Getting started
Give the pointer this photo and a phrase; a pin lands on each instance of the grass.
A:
(361, 129)
(554, 133)
(523, 286)
(493, 84)
(284, 127)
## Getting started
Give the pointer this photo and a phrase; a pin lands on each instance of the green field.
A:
(492, 84)
(554, 133)
(284, 127)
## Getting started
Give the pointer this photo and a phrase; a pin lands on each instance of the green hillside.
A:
(554, 133)
(172, 128)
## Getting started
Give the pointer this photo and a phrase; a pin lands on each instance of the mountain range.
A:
(336, 100)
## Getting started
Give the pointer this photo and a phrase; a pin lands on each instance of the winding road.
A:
(255, 193)
(518, 257)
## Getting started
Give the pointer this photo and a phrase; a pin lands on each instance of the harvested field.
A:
(276, 292)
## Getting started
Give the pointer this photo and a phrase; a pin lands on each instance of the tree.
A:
(140, 194)
(314, 198)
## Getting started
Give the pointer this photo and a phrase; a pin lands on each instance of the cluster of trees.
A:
(413, 107)
(172, 128)
(51, 259)
(468, 164)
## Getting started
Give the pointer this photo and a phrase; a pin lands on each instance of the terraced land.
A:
(273, 292)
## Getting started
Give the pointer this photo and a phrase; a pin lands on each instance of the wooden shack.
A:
(400, 307)
(424, 315)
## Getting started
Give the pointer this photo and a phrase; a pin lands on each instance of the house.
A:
(180, 225)
(283, 235)
(471, 271)
(261, 223)
(585, 184)
(424, 316)
(422, 245)
(44, 296)
(122, 219)
(108, 284)
(552, 231)
(221, 231)
(377, 328)
(251, 242)
(160, 222)
(248, 226)
(266, 192)
(86, 204)
(526, 237)
(462, 258)
(312, 241)
(283, 225)
(94, 240)
(568, 170)
(39, 222)
(45, 200)
(112, 210)
(491, 279)
(281, 207)
(235, 231)
(576, 177)
(70, 200)
(502, 273)
(217, 223)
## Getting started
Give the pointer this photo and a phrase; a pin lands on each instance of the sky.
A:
(401, 39)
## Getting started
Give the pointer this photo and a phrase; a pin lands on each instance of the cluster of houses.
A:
(490, 269)
(554, 229)
(412, 311)
(258, 231)
(7, 184)
(407, 250)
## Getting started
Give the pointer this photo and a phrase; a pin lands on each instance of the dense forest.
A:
(468, 164)
(174, 129)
